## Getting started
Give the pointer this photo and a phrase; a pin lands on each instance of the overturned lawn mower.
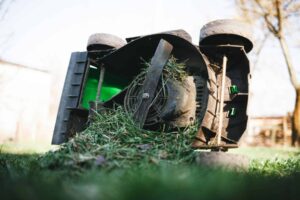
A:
(164, 82)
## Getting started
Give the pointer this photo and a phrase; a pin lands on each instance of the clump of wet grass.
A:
(113, 140)
(173, 70)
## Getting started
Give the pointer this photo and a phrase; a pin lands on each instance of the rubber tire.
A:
(223, 160)
(103, 41)
(227, 31)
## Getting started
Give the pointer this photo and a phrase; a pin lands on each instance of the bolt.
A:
(145, 95)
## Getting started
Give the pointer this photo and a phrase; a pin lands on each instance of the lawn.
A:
(115, 160)
(22, 177)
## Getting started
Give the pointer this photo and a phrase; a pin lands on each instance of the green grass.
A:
(267, 153)
(114, 141)
(113, 159)
(26, 148)
(21, 177)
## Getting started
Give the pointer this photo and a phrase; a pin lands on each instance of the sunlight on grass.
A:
(267, 153)
(26, 148)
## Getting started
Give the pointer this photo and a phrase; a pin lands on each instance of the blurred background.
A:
(37, 38)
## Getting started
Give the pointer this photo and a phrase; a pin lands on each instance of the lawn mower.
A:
(163, 80)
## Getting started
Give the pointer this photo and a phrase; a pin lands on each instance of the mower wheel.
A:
(226, 32)
(103, 41)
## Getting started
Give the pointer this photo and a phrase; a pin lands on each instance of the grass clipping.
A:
(173, 70)
(113, 140)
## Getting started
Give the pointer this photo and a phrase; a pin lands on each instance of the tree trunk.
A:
(295, 83)
(296, 120)
(288, 61)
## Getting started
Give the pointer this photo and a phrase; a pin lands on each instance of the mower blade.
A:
(158, 61)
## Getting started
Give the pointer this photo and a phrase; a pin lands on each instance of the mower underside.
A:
(161, 79)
